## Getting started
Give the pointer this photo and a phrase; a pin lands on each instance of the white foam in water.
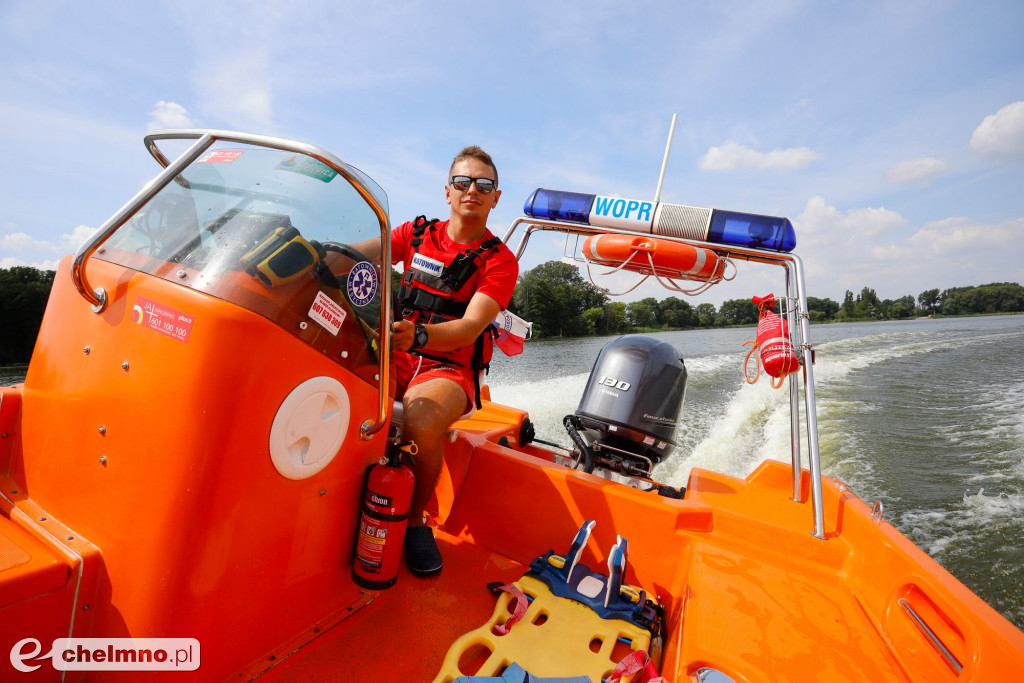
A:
(838, 359)
(753, 424)
(547, 401)
(973, 435)
(705, 365)
(750, 429)
(936, 532)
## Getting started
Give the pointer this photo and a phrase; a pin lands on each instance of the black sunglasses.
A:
(462, 183)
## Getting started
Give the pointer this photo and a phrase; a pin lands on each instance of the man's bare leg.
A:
(430, 407)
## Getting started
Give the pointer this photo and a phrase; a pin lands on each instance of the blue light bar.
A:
(751, 230)
(709, 225)
(559, 206)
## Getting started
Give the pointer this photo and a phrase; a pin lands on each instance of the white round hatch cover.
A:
(309, 427)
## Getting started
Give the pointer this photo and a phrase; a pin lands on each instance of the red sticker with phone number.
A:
(162, 318)
(220, 156)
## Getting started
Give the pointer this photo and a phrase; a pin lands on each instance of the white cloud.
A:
(961, 234)
(19, 241)
(77, 237)
(917, 171)
(822, 221)
(169, 115)
(35, 252)
(11, 262)
(892, 252)
(1001, 134)
(733, 156)
(879, 248)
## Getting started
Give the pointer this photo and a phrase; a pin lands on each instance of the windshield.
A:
(272, 231)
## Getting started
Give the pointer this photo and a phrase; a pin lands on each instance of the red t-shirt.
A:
(495, 275)
(498, 268)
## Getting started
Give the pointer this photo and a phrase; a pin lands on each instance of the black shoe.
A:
(421, 553)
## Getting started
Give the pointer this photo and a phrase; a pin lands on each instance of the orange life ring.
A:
(639, 252)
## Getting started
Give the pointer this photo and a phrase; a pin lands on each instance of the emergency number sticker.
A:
(162, 318)
(326, 312)
(220, 156)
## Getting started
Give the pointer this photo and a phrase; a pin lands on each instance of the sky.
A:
(890, 133)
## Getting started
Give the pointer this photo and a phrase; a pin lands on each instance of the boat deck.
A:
(403, 633)
(757, 606)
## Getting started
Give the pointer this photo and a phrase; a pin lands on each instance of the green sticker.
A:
(299, 163)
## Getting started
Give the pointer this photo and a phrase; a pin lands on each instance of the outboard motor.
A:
(629, 411)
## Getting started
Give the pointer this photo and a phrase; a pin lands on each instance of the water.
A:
(12, 374)
(926, 416)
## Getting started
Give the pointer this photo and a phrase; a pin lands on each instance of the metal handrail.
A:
(936, 642)
(794, 396)
(98, 297)
(204, 139)
(794, 275)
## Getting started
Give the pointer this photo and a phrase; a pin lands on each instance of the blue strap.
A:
(516, 674)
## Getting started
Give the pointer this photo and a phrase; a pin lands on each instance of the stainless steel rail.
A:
(794, 279)
(204, 139)
(951, 660)
(98, 297)
(794, 394)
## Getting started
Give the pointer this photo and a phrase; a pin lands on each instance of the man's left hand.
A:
(403, 333)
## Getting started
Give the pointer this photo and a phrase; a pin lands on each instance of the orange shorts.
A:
(411, 370)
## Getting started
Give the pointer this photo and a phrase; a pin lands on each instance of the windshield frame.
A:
(370, 192)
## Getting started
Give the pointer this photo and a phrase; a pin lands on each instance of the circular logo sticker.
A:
(362, 283)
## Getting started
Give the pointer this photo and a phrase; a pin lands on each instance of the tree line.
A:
(23, 295)
(561, 303)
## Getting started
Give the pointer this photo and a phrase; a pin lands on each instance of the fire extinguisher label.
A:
(377, 499)
(381, 508)
(372, 538)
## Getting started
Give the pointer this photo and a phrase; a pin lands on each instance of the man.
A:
(458, 276)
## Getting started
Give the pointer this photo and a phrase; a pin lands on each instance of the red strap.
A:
(764, 301)
(636, 662)
(519, 603)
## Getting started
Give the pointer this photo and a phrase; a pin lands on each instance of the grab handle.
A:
(951, 660)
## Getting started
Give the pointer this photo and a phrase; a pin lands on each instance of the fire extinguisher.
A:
(387, 496)
(777, 354)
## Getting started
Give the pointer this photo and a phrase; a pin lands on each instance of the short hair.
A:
(474, 152)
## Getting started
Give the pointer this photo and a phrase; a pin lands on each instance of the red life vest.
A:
(436, 287)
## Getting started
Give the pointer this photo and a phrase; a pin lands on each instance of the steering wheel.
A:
(164, 221)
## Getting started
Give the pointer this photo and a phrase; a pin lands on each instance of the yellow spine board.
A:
(556, 637)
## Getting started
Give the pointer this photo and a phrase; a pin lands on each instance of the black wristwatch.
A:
(420, 339)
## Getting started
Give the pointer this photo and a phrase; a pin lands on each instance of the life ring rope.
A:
(757, 365)
(776, 382)
(664, 280)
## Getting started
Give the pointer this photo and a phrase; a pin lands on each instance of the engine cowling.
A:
(631, 405)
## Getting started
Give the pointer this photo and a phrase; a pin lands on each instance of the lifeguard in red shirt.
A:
(457, 277)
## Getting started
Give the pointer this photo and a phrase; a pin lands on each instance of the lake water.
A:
(926, 416)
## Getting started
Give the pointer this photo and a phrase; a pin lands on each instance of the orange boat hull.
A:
(139, 500)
